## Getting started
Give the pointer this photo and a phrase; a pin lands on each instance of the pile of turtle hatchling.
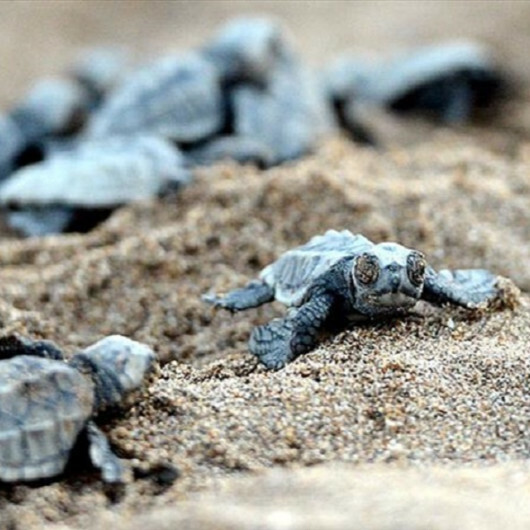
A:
(106, 133)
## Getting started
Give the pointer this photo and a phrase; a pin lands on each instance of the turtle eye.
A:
(366, 269)
(416, 268)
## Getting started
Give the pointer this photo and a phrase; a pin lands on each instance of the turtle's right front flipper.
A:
(283, 339)
(254, 294)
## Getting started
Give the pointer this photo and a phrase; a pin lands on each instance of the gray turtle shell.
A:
(289, 116)
(403, 74)
(381, 82)
(44, 404)
(178, 97)
(294, 271)
(99, 173)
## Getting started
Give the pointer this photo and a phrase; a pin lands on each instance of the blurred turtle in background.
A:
(80, 186)
(288, 116)
(276, 108)
(450, 83)
(244, 95)
(177, 97)
(53, 108)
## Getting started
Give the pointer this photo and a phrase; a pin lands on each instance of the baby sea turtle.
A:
(178, 97)
(99, 173)
(289, 116)
(89, 179)
(248, 49)
(448, 81)
(46, 403)
(341, 277)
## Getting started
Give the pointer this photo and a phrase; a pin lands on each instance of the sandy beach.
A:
(421, 422)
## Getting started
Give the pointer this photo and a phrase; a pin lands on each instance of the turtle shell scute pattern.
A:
(44, 404)
(295, 270)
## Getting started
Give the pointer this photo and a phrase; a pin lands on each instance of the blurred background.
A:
(43, 37)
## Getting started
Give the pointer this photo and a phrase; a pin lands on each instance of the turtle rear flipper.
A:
(469, 288)
(254, 294)
(102, 457)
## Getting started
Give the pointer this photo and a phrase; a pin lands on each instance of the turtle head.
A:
(388, 279)
(118, 367)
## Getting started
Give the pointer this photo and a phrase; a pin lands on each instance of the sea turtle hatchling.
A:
(99, 173)
(46, 403)
(289, 116)
(448, 81)
(340, 277)
(178, 97)
(78, 186)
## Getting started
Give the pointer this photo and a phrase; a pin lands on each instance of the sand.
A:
(421, 422)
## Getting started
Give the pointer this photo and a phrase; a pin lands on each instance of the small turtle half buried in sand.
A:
(340, 277)
(45, 403)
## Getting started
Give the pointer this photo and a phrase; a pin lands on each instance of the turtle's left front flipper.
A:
(283, 339)
(469, 288)
(102, 457)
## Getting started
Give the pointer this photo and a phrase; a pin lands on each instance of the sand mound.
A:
(441, 386)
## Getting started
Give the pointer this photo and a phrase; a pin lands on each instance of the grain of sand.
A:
(416, 423)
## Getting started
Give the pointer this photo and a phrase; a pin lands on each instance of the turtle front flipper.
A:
(283, 339)
(254, 294)
(102, 457)
(469, 288)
